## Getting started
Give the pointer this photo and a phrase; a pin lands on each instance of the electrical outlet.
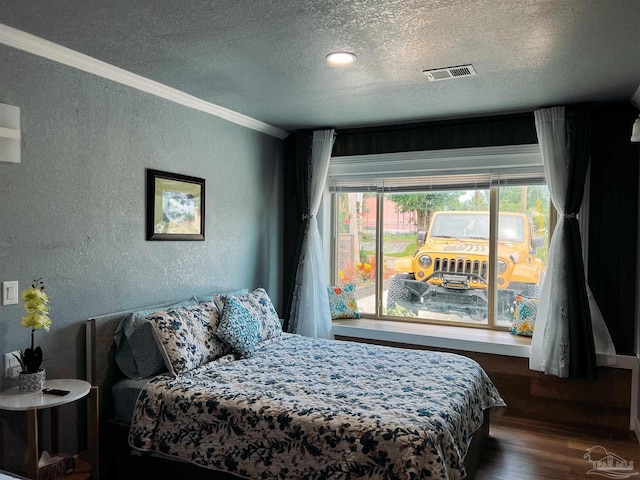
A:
(11, 365)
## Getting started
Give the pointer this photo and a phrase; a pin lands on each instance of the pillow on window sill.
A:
(524, 316)
(342, 301)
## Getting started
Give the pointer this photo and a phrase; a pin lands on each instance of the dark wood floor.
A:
(522, 450)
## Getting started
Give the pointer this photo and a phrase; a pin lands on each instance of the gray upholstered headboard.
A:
(102, 369)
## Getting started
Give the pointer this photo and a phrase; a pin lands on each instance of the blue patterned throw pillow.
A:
(239, 328)
(259, 306)
(342, 301)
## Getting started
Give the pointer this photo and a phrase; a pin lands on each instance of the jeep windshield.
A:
(475, 226)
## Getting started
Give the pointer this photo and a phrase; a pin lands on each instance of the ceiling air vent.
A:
(449, 73)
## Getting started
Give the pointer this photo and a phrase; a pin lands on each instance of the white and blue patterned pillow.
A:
(137, 353)
(239, 328)
(259, 305)
(186, 336)
(342, 301)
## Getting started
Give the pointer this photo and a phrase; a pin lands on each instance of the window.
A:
(446, 248)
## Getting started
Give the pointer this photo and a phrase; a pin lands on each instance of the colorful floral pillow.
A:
(524, 316)
(259, 305)
(239, 328)
(342, 301)
(186, 336)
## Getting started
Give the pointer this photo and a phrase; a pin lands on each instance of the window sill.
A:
(440, 336)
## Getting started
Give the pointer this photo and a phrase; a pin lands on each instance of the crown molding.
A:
(20, 40)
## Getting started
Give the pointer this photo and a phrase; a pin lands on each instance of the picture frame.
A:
(175, 206)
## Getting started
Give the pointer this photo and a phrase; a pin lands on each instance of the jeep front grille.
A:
(452, 265)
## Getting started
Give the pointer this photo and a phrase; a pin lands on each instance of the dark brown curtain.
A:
(582, 356)
(297, 153)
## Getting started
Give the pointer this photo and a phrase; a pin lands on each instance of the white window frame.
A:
(351, 173)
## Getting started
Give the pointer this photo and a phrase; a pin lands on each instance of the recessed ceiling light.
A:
(341, 58)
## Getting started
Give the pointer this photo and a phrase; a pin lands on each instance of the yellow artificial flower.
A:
(27, 320)
(33, 305)
(36, 321)
(34, 294)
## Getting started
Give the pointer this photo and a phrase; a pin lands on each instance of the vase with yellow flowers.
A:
(35, 300)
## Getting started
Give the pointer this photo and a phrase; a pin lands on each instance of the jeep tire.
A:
(532, 290)
(398, 293)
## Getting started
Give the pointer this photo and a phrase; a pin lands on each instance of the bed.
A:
(292, 407)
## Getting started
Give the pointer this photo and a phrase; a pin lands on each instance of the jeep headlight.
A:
(502, 267)
(425, 261)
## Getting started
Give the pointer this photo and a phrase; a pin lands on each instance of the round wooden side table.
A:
(30, 403)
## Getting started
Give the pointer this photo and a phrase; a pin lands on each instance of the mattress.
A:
(314, 409)
(125, 393)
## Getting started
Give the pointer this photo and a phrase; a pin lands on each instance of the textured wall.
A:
(73, 211)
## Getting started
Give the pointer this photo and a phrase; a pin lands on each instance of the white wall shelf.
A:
(10, 134)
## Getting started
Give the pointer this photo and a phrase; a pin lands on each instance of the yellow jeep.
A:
(450, 270)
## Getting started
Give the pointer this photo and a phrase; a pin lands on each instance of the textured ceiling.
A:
(265, 58)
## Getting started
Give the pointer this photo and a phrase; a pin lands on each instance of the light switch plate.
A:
(10, 293)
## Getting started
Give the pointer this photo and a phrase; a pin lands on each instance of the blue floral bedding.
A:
(319, 409)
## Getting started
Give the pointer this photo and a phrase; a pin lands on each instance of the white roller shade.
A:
(459, 169)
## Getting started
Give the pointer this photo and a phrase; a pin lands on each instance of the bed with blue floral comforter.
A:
(319, 409)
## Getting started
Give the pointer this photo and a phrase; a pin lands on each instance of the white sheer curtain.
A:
(313, 318)
(551, 345)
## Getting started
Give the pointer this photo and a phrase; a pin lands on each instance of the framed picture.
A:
(175, 206)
